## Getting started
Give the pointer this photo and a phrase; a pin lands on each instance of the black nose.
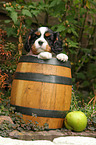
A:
(40, 43)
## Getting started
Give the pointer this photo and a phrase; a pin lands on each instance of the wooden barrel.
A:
(42, 87)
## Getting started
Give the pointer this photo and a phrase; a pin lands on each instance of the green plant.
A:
(77, 26)
(5, 129)
(8, 62)
(9, 58)
(20, 15)
(87, 108)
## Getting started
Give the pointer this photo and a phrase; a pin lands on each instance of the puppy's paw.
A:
(45, 55)
(62, 57)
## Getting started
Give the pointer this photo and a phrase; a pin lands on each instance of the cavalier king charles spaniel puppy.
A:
(43, 43)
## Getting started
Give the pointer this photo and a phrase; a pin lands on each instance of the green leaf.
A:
(72, 51)
(35, 12)
(81, 76)
(26, 13)
(9, 9)
(61, 28)
(86, 50)
(76, 2)
(85, 84)
(7, 21)
(82, 11)
(32, 6)
(10, 31)
(14, 16)
(54, 3)
(74, 32)
(28, 22)
(94, 120)
(72, 43)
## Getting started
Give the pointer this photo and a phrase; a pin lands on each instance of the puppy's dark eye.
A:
(47, 34)
(37, 33)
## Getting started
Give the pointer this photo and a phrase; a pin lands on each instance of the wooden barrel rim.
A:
(52, 61)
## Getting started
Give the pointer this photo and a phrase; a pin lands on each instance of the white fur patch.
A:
(39, 48)
(42, 30)
(45, 55)
(62, 57)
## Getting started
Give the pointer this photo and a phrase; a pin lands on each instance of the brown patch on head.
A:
(47, 34)
(34, 50)
(48, 48)
(37, 33)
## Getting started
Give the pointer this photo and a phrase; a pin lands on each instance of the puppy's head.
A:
(43, 39)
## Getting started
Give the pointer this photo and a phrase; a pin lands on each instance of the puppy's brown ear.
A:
(57, 46)
(28, 42)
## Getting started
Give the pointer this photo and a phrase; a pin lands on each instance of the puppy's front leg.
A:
(45, 55)
(62, 57)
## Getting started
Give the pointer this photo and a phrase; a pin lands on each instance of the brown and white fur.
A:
(43, 42)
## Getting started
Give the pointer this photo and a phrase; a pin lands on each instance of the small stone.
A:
(16, 134)
(5, 118)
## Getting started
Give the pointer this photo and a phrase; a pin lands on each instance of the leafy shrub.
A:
(8, 59)
(77, 27)
(88, 108)
(76, 24)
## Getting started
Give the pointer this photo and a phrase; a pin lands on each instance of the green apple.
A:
(76, 121)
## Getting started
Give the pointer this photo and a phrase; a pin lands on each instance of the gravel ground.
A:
(71, 140)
